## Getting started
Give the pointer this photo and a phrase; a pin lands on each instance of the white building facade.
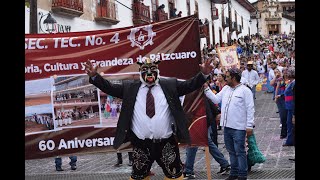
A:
(288, 26)
(275, 17)
(91, 15)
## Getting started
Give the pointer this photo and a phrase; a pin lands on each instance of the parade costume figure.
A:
(148, 123)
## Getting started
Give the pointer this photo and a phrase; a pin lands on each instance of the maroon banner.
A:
(175, 42)
(65, 114)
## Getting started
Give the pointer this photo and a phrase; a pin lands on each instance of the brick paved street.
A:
(100, 166)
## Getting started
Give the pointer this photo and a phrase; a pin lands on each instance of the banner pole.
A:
(208, 163)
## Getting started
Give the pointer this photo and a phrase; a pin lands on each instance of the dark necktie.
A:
(150, 109)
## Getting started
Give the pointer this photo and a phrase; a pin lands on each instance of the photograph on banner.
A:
(110, 106)
(38, 106)
(75, 102)
(110, 109)
(228, 56)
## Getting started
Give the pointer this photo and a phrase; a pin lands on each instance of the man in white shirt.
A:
(251, 78)
(149, 108)
(237, 118)
(271, 75)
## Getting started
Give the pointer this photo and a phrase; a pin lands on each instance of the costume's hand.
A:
(206, 66)
(205, 85)
(90, 70)
(249, 132)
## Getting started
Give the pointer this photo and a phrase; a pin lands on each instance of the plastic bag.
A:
(254, 154)
(259, 87)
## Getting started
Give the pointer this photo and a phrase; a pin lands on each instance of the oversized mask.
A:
(149, 72)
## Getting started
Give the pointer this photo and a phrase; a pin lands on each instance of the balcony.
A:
(215, 13)
(141, 14)
(68, 7)
(204, 30)
(161, 16)
(273, 19)
(107, 12)
(239, 30)
(225, 23)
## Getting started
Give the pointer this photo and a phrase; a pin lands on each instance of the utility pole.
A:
(230, 22)
(33, 17)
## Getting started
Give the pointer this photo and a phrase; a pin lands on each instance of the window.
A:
(222, 14)
(188, 7)
(107, 8)
(241, 21)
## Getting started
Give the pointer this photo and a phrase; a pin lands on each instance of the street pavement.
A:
(101, 165)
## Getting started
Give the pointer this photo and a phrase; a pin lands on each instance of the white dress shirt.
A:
(159, 126)
(271, 74)
(252, 77)
(237, 109)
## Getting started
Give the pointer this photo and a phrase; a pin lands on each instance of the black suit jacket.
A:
(127, 91)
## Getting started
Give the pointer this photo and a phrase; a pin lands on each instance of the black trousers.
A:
(164, 151)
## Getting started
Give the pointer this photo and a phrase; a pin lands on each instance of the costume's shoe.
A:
(179, 178)
(146, 178)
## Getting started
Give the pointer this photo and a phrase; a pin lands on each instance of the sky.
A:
(37, 86)
(39, 109)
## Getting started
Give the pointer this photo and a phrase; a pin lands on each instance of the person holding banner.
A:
(212, 116)
(149, 127)
(237, 118)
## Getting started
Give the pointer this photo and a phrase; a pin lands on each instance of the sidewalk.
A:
(100, 166)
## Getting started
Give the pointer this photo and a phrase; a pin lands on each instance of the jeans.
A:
(215, 152)
(253, 89)
(58, 161)
(235, 143)
(289, 140)
(190, 157)
(270, 89)
(73, 160)
(283, 116)
(213, 149)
